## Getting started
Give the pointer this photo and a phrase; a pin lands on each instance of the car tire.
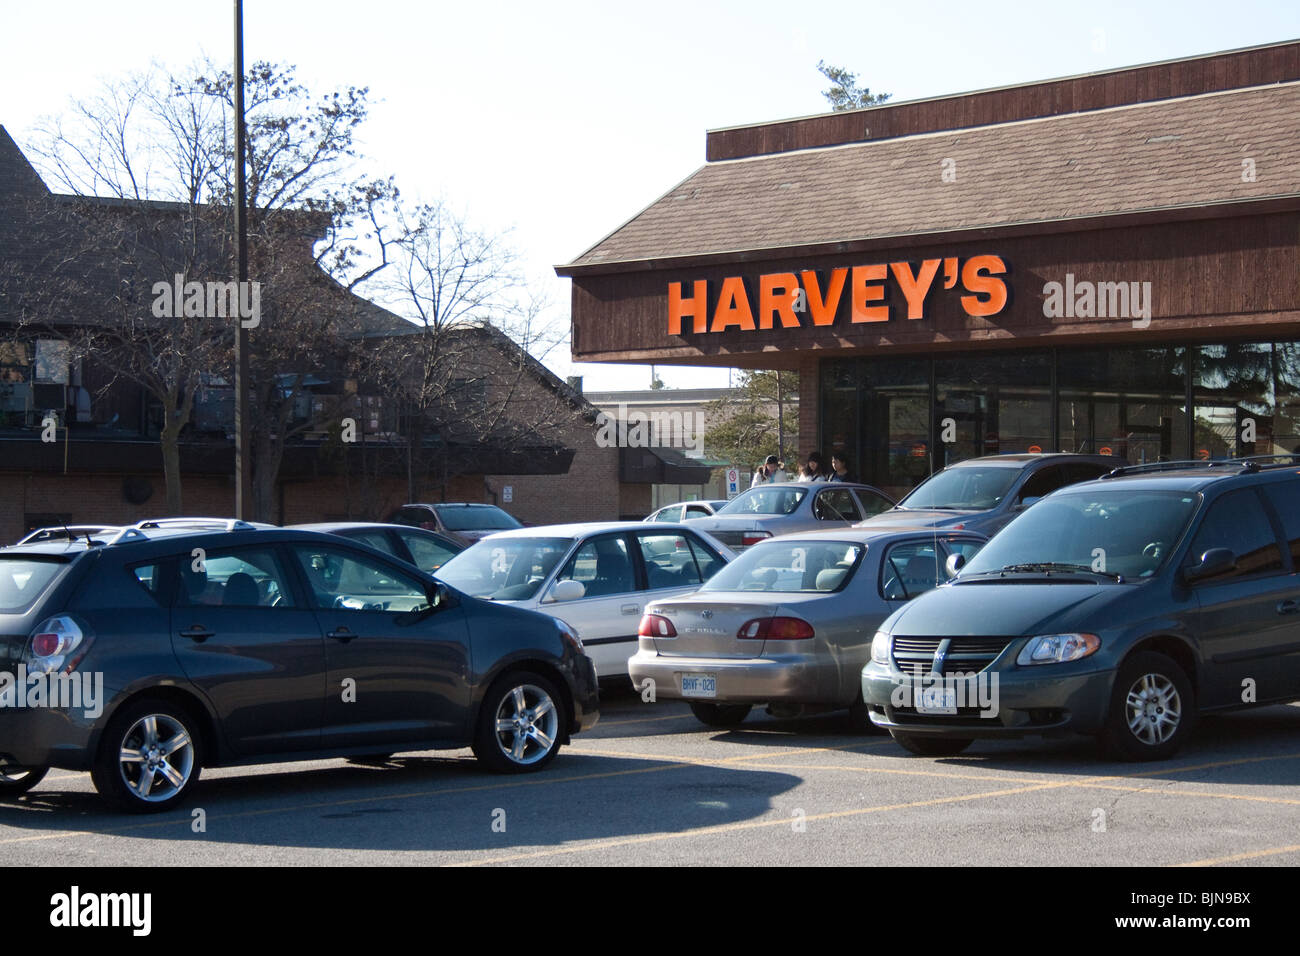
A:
(1152, 709)
(164, 742)
(520, 724)
(16, 780)
(720, 715)
(860, 717)
(924, 745)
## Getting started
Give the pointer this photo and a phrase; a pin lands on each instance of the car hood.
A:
(1009, 609)
(916, 518)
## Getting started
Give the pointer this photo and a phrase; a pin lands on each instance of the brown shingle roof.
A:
(1148, 156)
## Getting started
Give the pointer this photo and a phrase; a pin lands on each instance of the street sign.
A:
(733, 482)
(508, 494)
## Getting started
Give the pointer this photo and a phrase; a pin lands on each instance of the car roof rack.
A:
(1249, 463)
(219, 524)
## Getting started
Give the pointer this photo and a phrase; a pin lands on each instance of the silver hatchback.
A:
(789, 623)
(785, 507)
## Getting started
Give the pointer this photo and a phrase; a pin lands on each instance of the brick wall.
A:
(809, 408)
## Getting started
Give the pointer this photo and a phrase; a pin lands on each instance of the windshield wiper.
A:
(1049, 566)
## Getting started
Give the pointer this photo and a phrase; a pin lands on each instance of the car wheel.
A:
(860, 717)
(150, 757)
(924, 745)
(720, 715)
(16, 780)
(1152, 709)
(520, 724)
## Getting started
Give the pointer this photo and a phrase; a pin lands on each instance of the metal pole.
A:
(243, 462)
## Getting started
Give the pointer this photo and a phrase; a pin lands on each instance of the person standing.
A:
(840, 467)
(769, 472)
(814, 468)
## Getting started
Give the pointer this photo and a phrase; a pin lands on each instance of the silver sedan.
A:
(789, 623)
(784, 507)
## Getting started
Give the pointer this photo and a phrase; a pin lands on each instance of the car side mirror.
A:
(566, 590)
(954, 564)
(1026, 502)
(1213, 562)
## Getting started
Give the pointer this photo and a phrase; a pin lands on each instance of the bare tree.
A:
(167, 136)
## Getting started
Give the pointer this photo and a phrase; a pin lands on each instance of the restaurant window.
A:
(1126, 402)
(1247, 397)
(894, 424)
(992, 405)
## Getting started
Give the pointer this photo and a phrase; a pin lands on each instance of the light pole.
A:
(243, 463)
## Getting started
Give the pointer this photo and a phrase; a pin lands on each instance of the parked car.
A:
(983, 494)
(1122, 607)
(250, 646)
(463, 522)
(596, 577)
(789, 622)
(686, 510)
(786, 507)
(427, 550)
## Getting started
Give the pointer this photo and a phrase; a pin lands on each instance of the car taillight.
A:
(775, 629)
(656, 625)
(57, 644)
(748, 538)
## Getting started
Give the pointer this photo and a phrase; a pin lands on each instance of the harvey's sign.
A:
(844, 295)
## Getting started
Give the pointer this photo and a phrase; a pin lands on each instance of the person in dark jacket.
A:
(840, 467)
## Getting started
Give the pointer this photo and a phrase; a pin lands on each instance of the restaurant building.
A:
(1100, 263)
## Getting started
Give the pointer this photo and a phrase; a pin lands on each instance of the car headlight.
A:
(1058, 648)
(881, 646)
(568, 634)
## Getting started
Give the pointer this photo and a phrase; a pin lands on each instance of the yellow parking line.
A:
(1242, 856)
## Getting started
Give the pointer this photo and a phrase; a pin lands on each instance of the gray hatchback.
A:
(146, 657)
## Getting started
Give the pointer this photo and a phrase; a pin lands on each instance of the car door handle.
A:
(341, 634)
(631, 608)
(196, 633)
(1287, 607)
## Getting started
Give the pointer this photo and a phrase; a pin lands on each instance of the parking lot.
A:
(651, 786)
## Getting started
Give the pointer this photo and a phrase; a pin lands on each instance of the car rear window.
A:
(790, 567)
(24, 579)
(486, 518)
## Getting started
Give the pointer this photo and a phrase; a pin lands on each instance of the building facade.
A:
(1104, 263)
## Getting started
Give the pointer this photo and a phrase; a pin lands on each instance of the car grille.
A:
(966, 655)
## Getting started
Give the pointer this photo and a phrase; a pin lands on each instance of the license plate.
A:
(937, 700)
(699, 685)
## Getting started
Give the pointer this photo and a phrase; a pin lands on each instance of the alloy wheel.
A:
(527, 724)
(156, 758)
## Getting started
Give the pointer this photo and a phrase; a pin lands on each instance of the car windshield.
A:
(484, 518)
(1108, 530)
(23, 580)
(765, 501)
(970, 488)
(794, 566)
(505, 569)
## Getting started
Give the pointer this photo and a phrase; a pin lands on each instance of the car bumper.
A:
(751, 680)
(46, 737)
(586, 695)
(995, 703)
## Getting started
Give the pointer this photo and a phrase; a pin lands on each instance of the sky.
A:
(560, 121)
